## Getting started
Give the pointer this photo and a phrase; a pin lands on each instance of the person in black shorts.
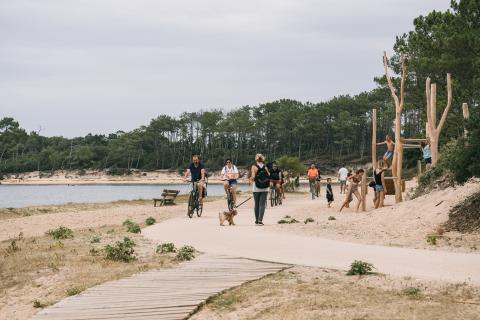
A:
(329, 192)
(275, 178)
(196, 171)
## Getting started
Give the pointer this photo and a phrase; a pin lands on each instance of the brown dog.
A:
(227, 215)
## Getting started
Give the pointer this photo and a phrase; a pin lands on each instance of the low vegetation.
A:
(360, 268)
(432, 239)
(315, 293)
(308, 220)
(166, 248)
(465, 217)
(332, 218)
(288, 220)
(132, 227)
(121, 251)
(185, 253)
(60, 233)
(31, 267)
(150, 221)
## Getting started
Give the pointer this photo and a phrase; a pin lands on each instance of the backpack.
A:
(262, 178)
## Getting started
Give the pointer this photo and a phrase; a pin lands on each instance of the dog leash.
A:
(243, 202)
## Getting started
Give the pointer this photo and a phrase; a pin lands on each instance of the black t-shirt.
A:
(275, 174)
(196, 172)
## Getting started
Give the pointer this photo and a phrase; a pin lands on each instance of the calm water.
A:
(17, 196)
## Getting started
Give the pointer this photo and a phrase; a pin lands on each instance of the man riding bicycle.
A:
(276, 177)
(196, 170)
(229, 176)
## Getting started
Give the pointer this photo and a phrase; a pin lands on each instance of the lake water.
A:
(18, 196)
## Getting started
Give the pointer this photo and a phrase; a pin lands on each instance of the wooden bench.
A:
(168, 197)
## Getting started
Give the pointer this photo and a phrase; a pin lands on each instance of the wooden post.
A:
(419, 167)
(374, 139)
(466, 116)
(364, 192)
(433, 130)
(397, 163)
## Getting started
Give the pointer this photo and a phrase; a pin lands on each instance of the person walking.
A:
(427, 153)
(260, 178)
(342, 177)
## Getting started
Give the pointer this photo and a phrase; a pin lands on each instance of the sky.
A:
(72, 67)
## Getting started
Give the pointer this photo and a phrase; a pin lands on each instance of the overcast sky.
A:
(77, 66)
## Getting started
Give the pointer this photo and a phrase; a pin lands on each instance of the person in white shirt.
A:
(229, 176)
(342, 176)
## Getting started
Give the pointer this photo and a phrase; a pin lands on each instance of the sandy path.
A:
(267, 243)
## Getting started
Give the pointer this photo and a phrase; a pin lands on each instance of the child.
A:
(388, 156)
(329, 192)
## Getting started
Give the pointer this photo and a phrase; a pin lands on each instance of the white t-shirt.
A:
(342, 173)
(227, 171)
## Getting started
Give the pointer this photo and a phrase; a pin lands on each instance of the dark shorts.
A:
(343, 182)
(379, 188)
(275, 182)
(231, 182)
(428, 160)
(329, 197)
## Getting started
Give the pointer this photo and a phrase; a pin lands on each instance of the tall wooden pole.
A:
(397, 163)
(374, 139)
(432, 128)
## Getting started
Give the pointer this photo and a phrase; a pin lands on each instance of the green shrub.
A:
(60, 233)
(185, 253)
(432, 239)
(308, 220)
(283, 221)
(294, 221)
(166, 248)
(150, 221)
(360, 268)
(121, 251)
(332, 218)
(132, 227)
(73, 291)
(38, 304)
(411, 292)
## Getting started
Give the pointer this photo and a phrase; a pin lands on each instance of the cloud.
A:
(82, 66)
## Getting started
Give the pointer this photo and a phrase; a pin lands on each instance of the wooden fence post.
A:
(364, 192)
(466, 116)
(374, 139)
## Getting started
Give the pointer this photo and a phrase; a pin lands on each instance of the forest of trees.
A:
(327, 132)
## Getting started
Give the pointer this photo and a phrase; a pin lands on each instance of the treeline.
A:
(327, 132)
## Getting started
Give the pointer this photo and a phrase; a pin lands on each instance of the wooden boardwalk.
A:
(161, 294)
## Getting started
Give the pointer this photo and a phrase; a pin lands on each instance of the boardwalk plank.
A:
(162, 294)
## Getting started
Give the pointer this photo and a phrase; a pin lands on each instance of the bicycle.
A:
(194, 201)
(313, 189)
(276, 197)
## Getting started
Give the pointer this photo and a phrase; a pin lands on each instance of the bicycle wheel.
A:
(279, 198)
(191, 205)
(272, 197)
(199, 210)
(230, 199)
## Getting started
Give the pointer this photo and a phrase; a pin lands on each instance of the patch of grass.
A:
(288, 220)
(309, 220)
(60, 233)
(432, 239)
(95, 239)
(73, 291)
(185, 253)
(121, 251)
(412, 292)
(359, 267)
(132, 227)
(166, 248)
(94, 252)
(150, 221)
(332, 218)
(38, 304)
